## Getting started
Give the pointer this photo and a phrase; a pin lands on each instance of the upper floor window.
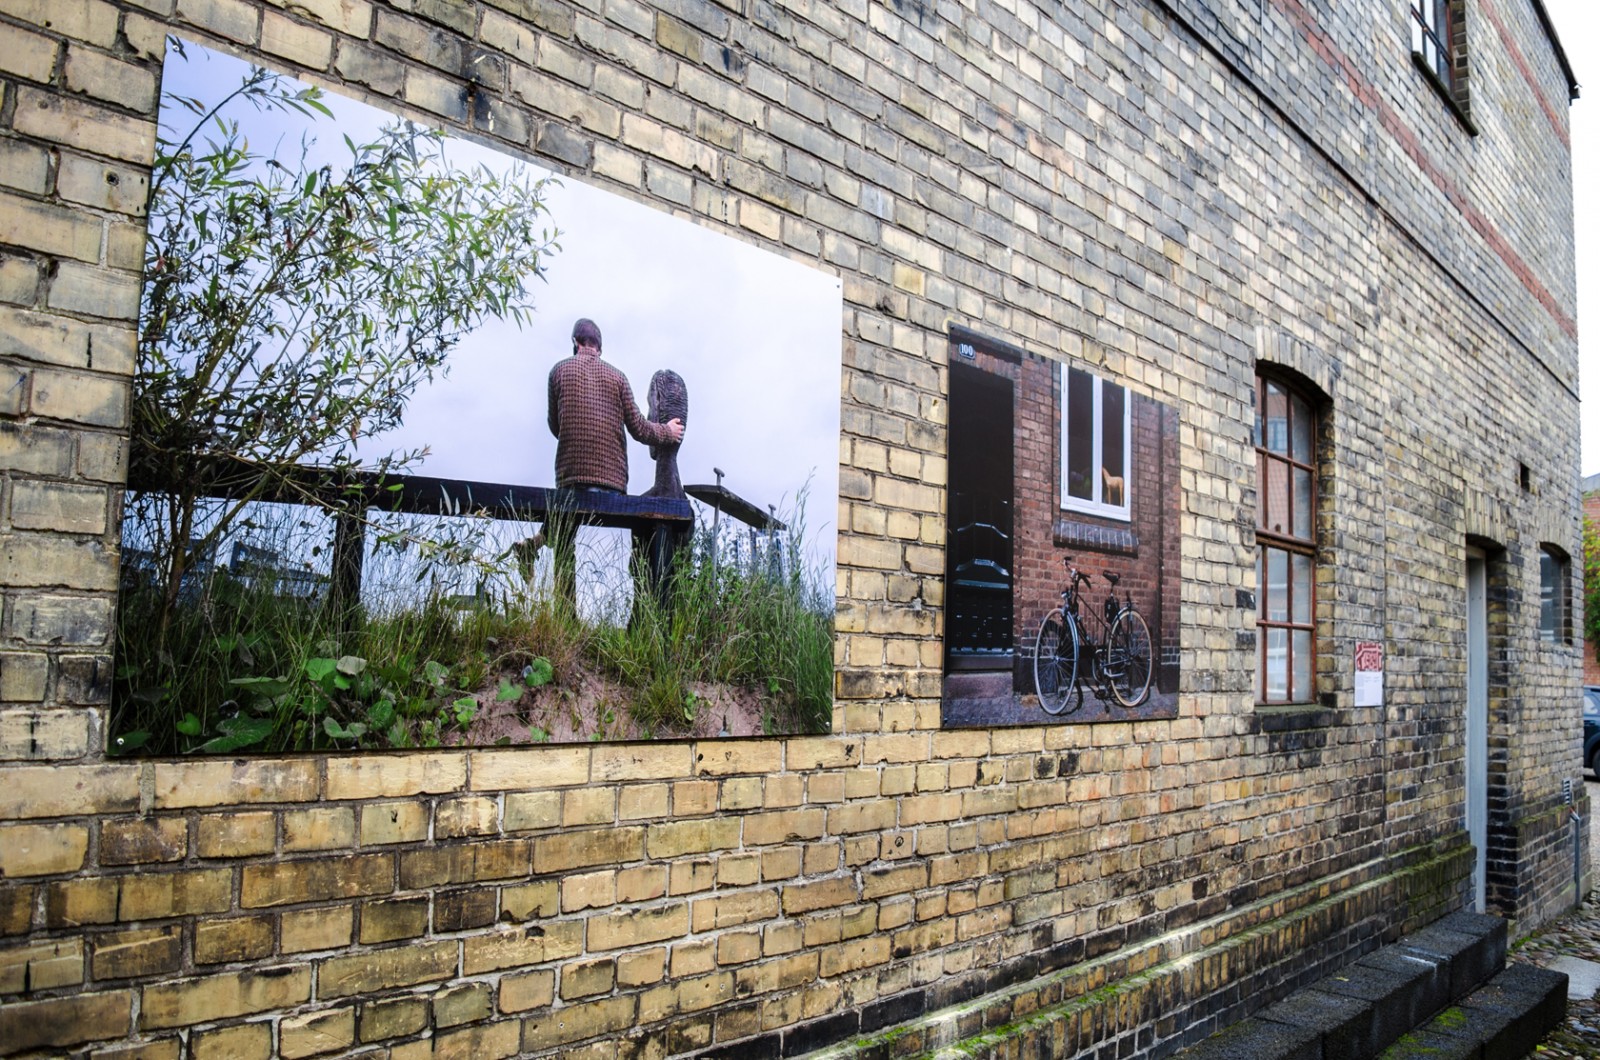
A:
(1431, 37)
(1555, 624)
(1439, 45)
(1286, 519)
(1095, 445)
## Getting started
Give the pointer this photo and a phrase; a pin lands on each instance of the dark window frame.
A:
(1439, 48)
(1273, 452)
(1555, 596)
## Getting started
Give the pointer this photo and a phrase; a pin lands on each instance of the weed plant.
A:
(243, 663)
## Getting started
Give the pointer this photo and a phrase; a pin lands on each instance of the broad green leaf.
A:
(266, 687)
(382, 714)
(318, 668)
(243, 733)
(129, 741)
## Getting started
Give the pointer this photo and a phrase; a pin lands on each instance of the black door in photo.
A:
(979, 561)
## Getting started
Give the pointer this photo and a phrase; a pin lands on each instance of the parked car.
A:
(1591, 728)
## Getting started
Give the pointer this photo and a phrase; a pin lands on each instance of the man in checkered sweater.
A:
(590, 405)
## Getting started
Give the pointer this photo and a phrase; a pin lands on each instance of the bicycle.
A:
(1119, 664)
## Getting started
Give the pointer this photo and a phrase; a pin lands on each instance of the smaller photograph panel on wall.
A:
(432, 448)
(1062, 555)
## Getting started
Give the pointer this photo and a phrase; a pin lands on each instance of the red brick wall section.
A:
(1151, 575)
(1039, 577)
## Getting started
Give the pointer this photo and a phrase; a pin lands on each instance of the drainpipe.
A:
(1577, 841)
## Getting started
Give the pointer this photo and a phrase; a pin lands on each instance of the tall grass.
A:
(243, 664)
(742, 625)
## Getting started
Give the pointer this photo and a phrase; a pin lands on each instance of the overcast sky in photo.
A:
(1578, 25)
(755, 336)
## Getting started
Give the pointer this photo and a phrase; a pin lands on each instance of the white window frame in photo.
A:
(1096, 505)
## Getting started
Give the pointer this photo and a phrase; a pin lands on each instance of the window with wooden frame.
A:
(1286, 521)
(1439, 46)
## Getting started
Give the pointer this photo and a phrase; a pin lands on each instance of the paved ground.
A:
(1572, 945)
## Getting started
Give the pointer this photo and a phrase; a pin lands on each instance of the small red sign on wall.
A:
(1369, 673)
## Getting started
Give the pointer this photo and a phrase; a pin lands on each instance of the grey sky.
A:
(1578, 25)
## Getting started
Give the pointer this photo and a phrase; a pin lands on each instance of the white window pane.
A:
(1302, 503)
(1302, 589)
(1551, 596)
(1301, 430)
(1276, 665)
(1277, 439)
(1301, 693)
(1277, 585)
(1277, 490)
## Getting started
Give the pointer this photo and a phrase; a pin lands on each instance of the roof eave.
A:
(1555, 42)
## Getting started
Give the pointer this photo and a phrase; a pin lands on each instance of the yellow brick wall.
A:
(1111, 183)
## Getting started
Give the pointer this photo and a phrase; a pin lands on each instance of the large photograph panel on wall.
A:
(430, 448)
(1062, 558)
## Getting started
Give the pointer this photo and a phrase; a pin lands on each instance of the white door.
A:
(1478, 718)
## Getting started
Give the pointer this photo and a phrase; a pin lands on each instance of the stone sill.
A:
(1445, 94)
(1291, 717)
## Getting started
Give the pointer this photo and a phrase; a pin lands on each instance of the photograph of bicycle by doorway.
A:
(1062, 548)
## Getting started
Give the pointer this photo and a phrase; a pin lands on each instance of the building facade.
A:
(1331, 243)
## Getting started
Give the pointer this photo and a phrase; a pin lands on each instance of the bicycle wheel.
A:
(1128, 659)
(1055, 664)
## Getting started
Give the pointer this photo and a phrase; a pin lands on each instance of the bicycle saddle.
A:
(1113, 578)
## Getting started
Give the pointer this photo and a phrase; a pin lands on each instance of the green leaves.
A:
(382, 715)
(535, 675)
(354, 731)
(265, 687)
(538, 673)
(237, 732)
(1591, 583)
(320, 669)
